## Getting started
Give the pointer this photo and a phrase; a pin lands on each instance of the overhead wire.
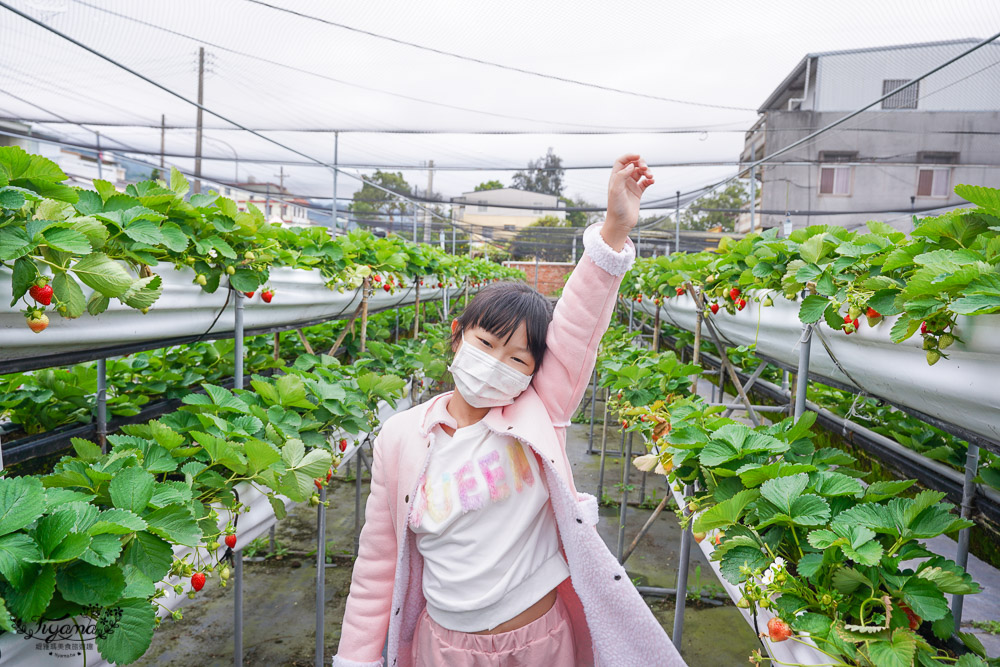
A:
(489, 63)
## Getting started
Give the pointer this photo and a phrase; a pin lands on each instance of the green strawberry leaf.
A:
(22, 500)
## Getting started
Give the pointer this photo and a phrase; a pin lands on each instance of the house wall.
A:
(890, 136)
(551, 275)
(848, 81)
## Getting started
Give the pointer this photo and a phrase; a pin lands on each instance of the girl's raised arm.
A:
(582, 314)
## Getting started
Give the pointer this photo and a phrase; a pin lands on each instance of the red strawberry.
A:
(231, 541)
(329, 474)
(267, 295)
(38, 321)
(923, 327)
(872, 313)
(847, 319)
(377, 278)
(856, 324)
(421, 283)
(639, 298)
(440, 285)
(778, 630)
(42, 295)
(249, 295)
(680, 291)
(319, 483)
(915, 620)
(343, 444)
(734, 293)
(198, 581)
(741, 304)
(387, 287)
(714, 308)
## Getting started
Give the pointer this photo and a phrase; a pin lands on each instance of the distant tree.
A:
(489, 185)
(734, 196)
(540, 239)
(374, 203)
(578, 218)
(542, 175)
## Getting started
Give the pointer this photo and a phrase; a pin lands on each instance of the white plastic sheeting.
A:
(184, 309)
(15, 649)
(788, 652)
(961, 390)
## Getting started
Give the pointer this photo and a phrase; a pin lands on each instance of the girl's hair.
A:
(501, 307)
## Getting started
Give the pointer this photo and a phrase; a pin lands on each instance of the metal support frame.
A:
(321, 578)
(682, 576)
(102, 404)
(626, 464)
(802, 377)
(238, 554)
(968, 494)
(357, 500)
(593, 407)
(604, 447)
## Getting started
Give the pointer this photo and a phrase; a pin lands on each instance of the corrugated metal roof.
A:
(800, 67)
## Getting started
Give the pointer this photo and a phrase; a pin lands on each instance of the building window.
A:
(904, 99)
(509, 228)
(537, 211)
(835, 181)
(933, 182)
(482, 206)
(937, 158)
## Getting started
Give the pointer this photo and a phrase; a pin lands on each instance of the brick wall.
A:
(551, 275)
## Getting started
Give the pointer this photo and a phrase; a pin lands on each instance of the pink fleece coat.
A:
(612, 623)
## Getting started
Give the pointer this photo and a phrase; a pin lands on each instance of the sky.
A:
(699, 71)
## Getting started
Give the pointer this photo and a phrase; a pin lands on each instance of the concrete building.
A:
(501, 213)
(272, 200)
(906, 154)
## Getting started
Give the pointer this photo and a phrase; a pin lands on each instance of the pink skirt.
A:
(548, 640)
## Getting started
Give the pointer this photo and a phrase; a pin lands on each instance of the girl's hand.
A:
(629, 179)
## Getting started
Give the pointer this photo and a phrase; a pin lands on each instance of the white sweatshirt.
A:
(486, 530)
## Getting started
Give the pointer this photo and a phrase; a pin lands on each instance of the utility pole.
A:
(677, 224)
(427, 195)
(100, 158)
(201, 100)
(333, 206)
(163, 138)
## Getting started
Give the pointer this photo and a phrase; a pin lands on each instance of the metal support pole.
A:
(238, 340)
(753, 198)
(656, 329)
(238, 555)
(682, 577)
(677, 224)
(238, 606)
(102, 404)
(638, 244)
(536, 273)
(574, 248)
(604, 448)
(968, 494)
(645, 528)
(452, 239)
(642, 488)
(802, 377)
(320, 577)
(357, 501)
(396, 339)
(416, 307)
(593, 407)
(414, 224)
(626, 464)
(445, 303)
(100, 157)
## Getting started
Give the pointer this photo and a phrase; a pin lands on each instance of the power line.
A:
(353, 84)
(489, 63)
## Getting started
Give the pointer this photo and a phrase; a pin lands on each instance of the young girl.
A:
(477, 549)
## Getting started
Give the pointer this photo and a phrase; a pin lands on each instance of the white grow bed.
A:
(962, 389)
(184, 309)
(788, 651)
(255, 522)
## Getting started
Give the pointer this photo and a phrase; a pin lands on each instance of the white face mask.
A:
(483, 380)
